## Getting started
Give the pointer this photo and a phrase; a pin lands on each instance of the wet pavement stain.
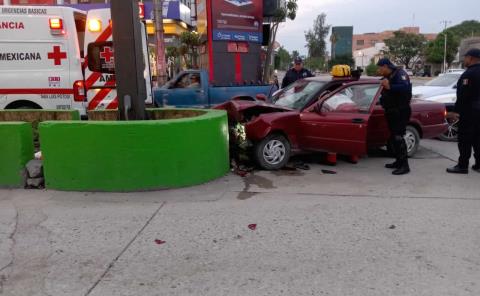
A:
(244, 195)
(259, 181)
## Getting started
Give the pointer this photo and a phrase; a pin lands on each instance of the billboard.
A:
(237, 20)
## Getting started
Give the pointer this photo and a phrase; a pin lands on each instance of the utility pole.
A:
(160, 41)
(445, 22)
(129, 62)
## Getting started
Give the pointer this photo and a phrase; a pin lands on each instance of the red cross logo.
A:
(107, 54)
(57, 55)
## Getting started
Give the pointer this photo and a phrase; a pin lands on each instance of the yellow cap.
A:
(341, 71)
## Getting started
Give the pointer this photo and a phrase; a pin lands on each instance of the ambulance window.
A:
(80, 24)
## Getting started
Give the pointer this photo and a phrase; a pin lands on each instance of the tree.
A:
(281, 14)
(316, 37)
(342, 60)
(372, 68)
(315, 63)
(283, 59)
(295, 54)
(190, 42)
(435, 49)
(405, 48)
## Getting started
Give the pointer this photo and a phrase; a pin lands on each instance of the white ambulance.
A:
(101, 92)
(41, 49)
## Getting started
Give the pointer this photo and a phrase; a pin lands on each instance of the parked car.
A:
(442, 89)
(320, 114)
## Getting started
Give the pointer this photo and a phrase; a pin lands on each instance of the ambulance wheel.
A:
(23, 105)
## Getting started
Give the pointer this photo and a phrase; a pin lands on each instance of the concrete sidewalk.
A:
(359, 232)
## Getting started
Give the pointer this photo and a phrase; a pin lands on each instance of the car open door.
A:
(339, 123)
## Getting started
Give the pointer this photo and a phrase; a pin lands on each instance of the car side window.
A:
(182, 81)
(353, 99)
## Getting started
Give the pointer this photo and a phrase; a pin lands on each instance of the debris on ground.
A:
(392, 227)
(159, 242)
(38, 155)
(35, 178)
(252, 226)
(329, 172)
(241, 169)
(302, 166)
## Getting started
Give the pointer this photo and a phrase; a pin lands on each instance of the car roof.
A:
(329, 78)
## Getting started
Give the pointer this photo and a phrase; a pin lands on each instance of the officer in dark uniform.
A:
(467, 109)
(296, 73)
(395, 99)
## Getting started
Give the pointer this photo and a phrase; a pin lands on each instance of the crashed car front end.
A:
(249, 122)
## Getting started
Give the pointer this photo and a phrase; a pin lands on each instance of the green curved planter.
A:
(135, 155)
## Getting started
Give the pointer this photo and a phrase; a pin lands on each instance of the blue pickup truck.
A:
(191, 89)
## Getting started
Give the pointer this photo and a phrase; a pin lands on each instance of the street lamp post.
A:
(361, 54)
(445, 46)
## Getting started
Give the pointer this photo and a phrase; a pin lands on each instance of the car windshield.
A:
(445, 80)
(298, 94)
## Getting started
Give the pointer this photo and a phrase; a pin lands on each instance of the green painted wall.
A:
(16, 149)
(135, 155)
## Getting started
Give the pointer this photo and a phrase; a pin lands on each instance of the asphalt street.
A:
(360, 231)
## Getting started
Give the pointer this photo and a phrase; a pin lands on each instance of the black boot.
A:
(457, 170)
(476, 167)
(403, 169)
(393, 165)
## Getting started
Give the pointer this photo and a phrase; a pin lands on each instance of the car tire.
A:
(273, 152)
(412, 139)
(451, 135)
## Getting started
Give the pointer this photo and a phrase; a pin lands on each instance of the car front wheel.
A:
(273, 152)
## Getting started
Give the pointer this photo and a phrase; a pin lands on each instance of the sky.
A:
(375, 16)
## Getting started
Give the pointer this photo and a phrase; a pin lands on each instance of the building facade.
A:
(341, 39)
(367, 40)
(364, 57)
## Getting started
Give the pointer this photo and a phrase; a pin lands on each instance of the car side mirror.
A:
(261, 97)
(101, 57)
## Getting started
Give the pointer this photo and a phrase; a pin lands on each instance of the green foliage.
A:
(316, 37)
(190, 38)
(283, 59)
(315, 63)
(172, 52)
(372, 69)
(455, 34)
(188, 50)
(342, 60)
(405, 48)
(289, 11)
(295, 54)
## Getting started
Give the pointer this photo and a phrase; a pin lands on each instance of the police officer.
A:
(467, 110)
(296, 73)
(395, 99)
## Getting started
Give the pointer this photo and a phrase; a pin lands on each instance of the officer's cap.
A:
(298, 61)
(474, 53)
(386, 62)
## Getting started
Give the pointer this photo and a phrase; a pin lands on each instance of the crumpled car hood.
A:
(236, 109)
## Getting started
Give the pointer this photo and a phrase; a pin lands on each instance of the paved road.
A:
(359, 232)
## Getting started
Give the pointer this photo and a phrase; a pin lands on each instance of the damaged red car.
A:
(322, 114)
